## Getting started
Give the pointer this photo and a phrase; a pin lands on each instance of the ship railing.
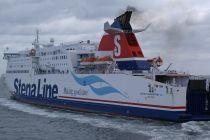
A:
(9, 55)
(40, 71)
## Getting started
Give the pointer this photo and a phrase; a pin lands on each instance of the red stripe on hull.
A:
(127, 103)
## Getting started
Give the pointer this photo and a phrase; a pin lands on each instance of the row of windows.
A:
(18, 66)
(70, 49)
(17, 71)
(61, 57)
(53, 71)
(58, 64)
(21, 66)
(55, 58)
(19, 60)
(50, 53)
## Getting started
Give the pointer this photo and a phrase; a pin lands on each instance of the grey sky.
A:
(180, 30)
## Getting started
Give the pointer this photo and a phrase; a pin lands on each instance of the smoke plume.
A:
(173, 28)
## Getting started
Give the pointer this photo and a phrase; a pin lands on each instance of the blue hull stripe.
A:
(176, 116)
(175, 108)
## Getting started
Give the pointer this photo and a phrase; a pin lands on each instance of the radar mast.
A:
(36, 41)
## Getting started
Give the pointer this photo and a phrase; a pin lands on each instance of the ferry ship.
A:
(112, 77)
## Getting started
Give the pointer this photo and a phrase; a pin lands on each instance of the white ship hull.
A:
(104, 93)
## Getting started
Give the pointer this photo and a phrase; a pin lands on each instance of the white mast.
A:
(36, 41)
(37, 35)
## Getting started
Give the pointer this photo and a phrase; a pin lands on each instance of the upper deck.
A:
(117, 52)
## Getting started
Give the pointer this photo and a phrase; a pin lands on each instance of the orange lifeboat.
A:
(88, 60)
(105, 58)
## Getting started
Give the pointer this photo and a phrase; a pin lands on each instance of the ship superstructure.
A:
(112, 77)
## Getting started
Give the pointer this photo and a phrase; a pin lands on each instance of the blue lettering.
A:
(23, 91)
(16, 86)
(48, 90)
(54, 91)
(19, 85)
(28, 89)
(38, 91)
(33, 90)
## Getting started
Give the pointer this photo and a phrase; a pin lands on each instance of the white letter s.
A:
(117, 49)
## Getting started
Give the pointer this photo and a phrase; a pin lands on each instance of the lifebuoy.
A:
(33, 52)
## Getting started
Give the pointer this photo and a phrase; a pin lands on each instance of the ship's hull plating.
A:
(104, 94)
(114, 110)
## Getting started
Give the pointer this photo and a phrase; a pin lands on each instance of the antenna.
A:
(36, 41)
(37, 35)
(168, 67)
